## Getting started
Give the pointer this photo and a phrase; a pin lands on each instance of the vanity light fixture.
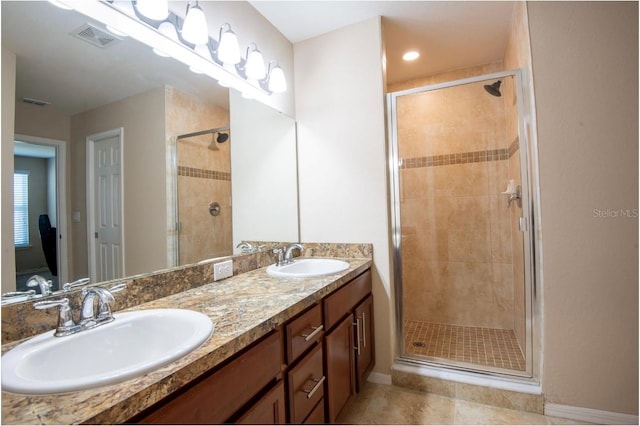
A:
(158, 10)
(254, 65)
(277, 82)
(60, 5)
(228, 47)
(411, 55)
(170, 37)
(168, 30)
(194, 27)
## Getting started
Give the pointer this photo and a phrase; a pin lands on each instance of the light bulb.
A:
(277, 82)
(255, 65)
(157, 10)
(168, 30)
(228, 48)
(194, 27)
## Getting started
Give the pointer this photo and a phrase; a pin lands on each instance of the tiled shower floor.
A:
(482, 346)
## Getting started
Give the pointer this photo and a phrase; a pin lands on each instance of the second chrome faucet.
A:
(285, 256)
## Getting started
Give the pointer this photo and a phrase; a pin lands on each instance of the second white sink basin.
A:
(134, 344)
(308, 268)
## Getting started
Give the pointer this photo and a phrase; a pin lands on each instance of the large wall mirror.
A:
(113, 97)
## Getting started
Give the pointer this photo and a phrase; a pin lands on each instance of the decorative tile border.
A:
(203, 173)
(514, 147)
(461, 158)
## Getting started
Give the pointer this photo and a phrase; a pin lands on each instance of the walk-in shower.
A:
(462, 250)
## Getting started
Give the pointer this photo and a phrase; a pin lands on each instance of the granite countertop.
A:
(243, 308)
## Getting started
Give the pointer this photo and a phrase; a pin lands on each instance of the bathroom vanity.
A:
(283, 351)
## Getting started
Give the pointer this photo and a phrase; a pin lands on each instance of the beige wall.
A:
(585, 63)
(8, 264)
(341, 150)
(201, 235)
(43, 122)
(144, 176)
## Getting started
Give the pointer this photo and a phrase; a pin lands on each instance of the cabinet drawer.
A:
(215, 398)
(317, 415)
(306, 385)
(303, 332)
(269, 410)
(343, 300)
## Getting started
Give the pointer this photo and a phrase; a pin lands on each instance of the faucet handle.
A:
(76, 283)
(66, 325)
(280, 253)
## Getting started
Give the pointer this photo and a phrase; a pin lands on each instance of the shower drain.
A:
(418, 344)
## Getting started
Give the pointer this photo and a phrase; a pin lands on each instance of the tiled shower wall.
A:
(457, 248)
(204, 176)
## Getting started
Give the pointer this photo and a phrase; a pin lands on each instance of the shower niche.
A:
(461, 248)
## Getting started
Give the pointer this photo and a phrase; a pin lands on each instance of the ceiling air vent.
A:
(35, 102)
(95, 36)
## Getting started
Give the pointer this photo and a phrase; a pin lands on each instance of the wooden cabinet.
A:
(339, 359)
(365, 355)
(269, 410)
(306, 385)
(305, 372)
(221, 393)
(349, 345)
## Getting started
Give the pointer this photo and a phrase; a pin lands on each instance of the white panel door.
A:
(107, 208)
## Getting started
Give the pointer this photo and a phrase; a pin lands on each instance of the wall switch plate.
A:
(222, 270)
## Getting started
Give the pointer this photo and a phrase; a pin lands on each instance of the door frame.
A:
(91, 140)
(530, 210)
(62, 230)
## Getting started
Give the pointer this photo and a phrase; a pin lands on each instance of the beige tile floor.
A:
(385, 404)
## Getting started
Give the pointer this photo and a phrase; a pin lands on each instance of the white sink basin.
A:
(133, 344)
(308, 268)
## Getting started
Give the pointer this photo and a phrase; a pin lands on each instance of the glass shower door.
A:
(461, 240)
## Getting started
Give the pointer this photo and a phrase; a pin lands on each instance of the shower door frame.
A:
(529, 211)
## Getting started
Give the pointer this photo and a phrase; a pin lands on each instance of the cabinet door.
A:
(269, 410)
(340, 368)
(364, 347)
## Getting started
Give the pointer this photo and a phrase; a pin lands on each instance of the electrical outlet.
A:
(222, 270)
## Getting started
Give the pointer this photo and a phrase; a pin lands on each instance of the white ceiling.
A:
(76, 76)
(449, 35)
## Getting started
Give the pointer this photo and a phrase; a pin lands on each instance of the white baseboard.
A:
(379, 378)
(589, 415)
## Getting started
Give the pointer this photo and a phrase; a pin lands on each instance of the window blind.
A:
(21, 208)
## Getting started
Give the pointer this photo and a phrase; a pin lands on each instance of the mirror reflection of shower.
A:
(204, 179)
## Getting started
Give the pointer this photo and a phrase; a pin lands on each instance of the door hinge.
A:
(95, 234)
(523, 224)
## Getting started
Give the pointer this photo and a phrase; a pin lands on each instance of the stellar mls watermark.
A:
(615, 213)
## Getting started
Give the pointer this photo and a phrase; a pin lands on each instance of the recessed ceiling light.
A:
(411, 55)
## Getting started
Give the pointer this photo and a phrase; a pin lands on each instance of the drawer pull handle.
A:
(313, 334)
(319, 383)
(357, 347)
(364, 331)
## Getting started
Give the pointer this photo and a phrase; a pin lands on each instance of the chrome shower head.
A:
(493, 89)
(222, 137)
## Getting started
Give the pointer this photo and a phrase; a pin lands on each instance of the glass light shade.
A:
(229, 49)
(168, 30)
(153, 9)
(255, 65)
(194, 27)
(277, 82)
(60, 5)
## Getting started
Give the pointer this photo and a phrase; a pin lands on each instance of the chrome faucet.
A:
(287, 254)
(28, 293)
(88, 317)
(280, 256)
(38, 281)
